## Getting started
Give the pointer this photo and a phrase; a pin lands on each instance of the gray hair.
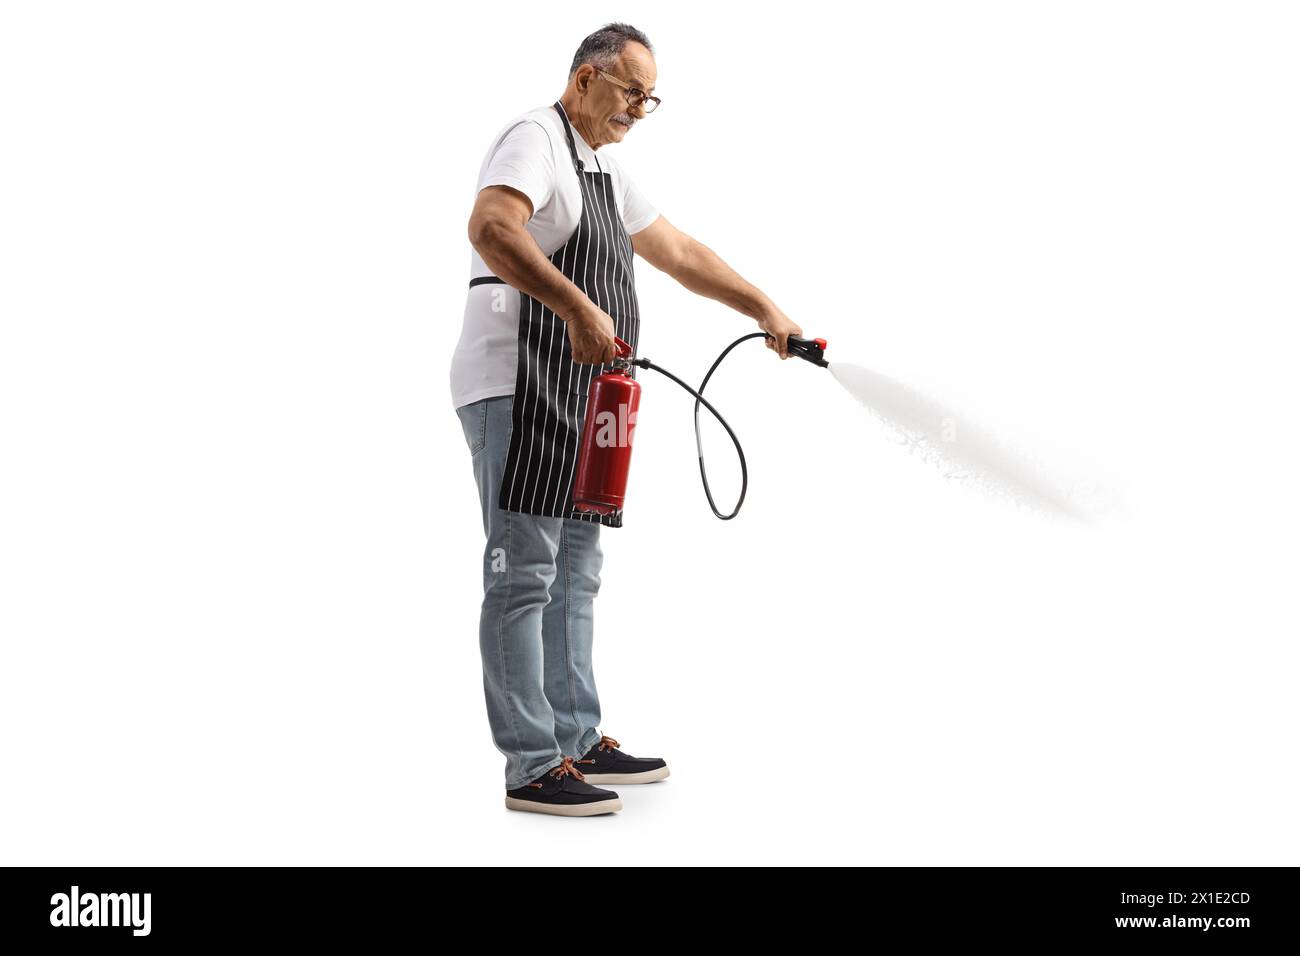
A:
(604, 46)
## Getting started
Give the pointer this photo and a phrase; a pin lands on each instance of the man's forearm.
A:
(515, 257)
(702, 271)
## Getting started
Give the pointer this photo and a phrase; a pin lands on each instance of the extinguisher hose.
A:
(699, 444)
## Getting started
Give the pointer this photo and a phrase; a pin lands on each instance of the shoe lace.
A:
(567, 769)
(607, 743)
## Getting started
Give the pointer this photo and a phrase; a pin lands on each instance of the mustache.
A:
(623, 118)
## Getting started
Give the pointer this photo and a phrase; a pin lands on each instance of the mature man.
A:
(554, 228)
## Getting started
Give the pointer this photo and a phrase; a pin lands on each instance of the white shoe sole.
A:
(646, 776)
(565, 809)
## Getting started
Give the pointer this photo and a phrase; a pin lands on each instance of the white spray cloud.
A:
(956, 446)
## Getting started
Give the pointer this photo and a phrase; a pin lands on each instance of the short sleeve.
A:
(637, 211)
(523, 160)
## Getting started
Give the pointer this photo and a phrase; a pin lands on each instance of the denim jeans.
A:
(540, 577)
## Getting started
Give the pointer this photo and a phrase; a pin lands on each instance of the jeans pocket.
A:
(473, 420)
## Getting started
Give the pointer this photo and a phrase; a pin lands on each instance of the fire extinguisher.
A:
(612, 404)
(606, 451)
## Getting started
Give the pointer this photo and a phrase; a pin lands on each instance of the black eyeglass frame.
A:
(632, 93)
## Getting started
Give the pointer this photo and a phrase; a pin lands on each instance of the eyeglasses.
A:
(635, 97)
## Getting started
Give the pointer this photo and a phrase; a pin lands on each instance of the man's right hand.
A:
(591, 337)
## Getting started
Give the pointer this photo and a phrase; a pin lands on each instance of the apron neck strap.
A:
(568, 132)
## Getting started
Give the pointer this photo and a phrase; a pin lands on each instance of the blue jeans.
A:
(540, 577)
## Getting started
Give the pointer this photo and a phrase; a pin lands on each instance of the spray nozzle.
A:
(810, 350)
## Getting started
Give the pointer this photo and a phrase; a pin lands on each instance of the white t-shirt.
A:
(530, 154)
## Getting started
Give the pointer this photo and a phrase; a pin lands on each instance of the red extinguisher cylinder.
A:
(605, 454)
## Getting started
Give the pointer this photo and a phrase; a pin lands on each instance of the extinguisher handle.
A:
(621, 348)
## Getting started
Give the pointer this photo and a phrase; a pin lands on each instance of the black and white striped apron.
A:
(550, 400)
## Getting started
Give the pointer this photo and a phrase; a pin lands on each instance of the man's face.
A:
(607, 107)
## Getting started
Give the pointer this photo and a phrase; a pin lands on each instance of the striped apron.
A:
(550, 401)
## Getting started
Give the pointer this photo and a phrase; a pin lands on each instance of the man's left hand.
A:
(777, 324)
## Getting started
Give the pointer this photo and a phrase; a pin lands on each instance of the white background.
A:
(239, 536)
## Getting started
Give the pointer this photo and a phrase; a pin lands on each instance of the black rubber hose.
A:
(699, 444)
